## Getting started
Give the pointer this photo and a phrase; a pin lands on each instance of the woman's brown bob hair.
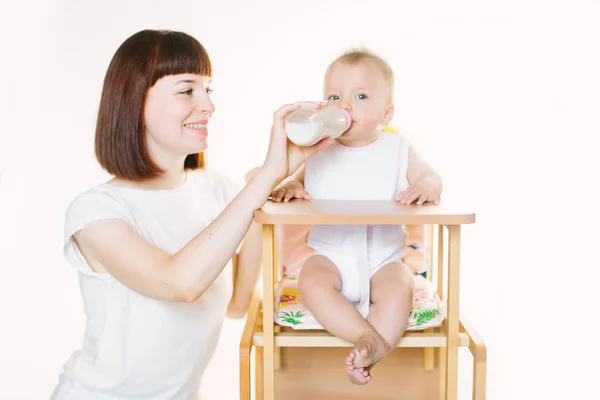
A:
(139, 62)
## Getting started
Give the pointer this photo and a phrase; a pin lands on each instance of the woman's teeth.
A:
(195, 126)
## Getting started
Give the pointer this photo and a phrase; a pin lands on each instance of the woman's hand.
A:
(284, 157)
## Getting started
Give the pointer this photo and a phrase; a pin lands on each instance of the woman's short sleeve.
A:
(85, 209)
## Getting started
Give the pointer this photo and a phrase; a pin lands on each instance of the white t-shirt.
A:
(136, 347)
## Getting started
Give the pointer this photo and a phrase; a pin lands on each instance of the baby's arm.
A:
(425, 183)
(291, 188)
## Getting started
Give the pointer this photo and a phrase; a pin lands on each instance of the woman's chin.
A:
(199, 145)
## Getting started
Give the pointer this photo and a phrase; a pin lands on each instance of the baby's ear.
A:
(388, 116)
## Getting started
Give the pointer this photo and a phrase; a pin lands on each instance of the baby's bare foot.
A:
(358, 376)
(369, 349)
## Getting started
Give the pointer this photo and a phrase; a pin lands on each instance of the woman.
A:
(151, 245)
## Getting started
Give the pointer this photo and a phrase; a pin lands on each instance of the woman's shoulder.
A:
(97, 195)
(98, 202)
(91, 205)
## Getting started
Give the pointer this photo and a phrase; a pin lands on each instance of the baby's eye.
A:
(362, 96)
(334, 97)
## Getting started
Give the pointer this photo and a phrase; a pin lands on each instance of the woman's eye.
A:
(362, 96)
(188, 92)
(209, 90)
(334, 97)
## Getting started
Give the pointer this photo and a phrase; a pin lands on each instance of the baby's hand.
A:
(419, 192)
(290, 190)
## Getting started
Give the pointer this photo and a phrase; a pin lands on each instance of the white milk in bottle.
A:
(307, 126)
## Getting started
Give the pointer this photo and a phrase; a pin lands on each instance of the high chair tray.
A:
(386, 212)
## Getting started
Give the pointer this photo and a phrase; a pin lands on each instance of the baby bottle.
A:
(307, 126)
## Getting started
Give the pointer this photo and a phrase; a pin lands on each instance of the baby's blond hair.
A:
(358, 55)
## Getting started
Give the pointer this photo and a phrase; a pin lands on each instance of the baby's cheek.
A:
(370, 123)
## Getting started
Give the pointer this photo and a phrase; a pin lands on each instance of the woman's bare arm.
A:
(114, 246)
(247, 272)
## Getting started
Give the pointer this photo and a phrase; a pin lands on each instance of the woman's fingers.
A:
(312, 104)
(320, 145)
(281, 113)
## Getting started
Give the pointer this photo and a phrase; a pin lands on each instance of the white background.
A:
(502, 97)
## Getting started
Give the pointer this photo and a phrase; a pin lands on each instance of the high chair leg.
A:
(277, 275)
(246, 347)
(428, 356)
(268, 350)
(452, 306)
(258, 363)
(429, 352)
(479, 378)
(442, 373)
(479, 352)
(277, 352)
(245, 375)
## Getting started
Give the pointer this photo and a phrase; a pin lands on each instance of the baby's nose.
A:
(345, 105)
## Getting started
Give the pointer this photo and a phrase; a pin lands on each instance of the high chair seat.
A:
(427, 308)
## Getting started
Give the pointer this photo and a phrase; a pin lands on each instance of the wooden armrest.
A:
(253, 309)
(476, 345)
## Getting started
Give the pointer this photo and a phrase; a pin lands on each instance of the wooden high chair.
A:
(267, 339)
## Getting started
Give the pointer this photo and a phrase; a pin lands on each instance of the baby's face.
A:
(361, 90)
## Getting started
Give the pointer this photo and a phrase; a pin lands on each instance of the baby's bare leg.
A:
(392, 292)
(320, 285)
(391, 296)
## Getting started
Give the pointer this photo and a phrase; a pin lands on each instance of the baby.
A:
(355, 284)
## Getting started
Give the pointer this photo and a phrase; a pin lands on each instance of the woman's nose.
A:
(205, 104)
